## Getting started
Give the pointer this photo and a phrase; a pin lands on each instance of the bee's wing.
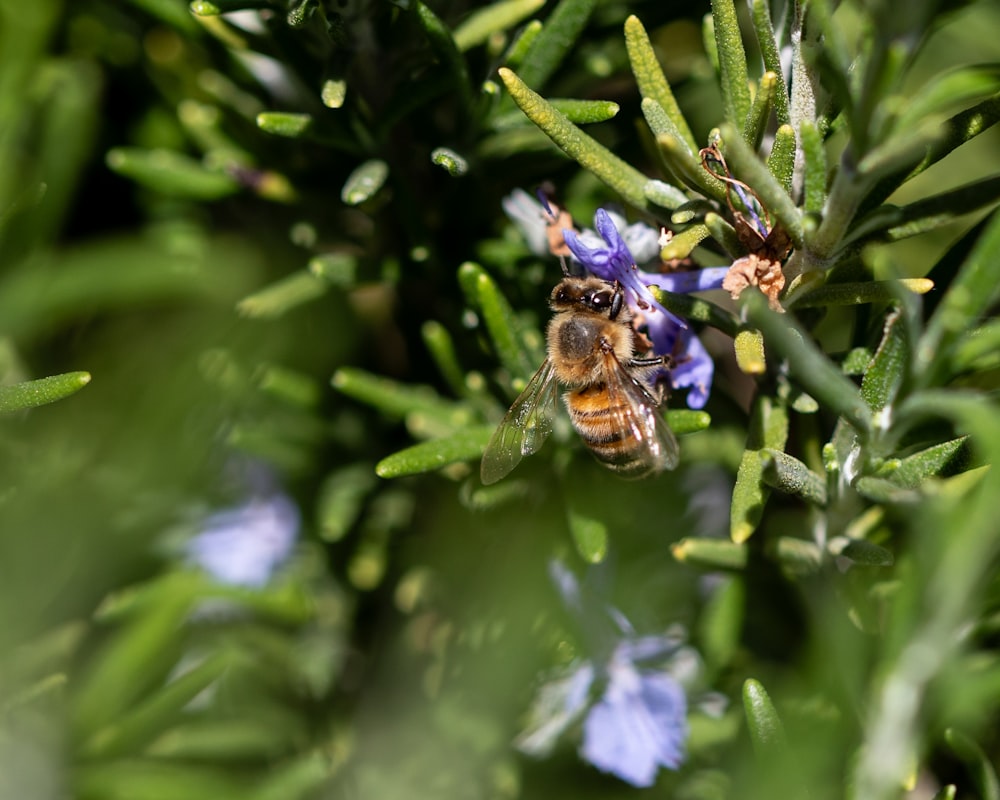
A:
(637, 413)
(524, 428)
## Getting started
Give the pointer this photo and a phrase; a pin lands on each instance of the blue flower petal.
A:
(528, 216)
(638, 726)
(612, 261)
(558, 704)
(695, 372)
(700, 280)
(243, 546)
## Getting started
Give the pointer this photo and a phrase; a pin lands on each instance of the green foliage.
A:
(271, 246)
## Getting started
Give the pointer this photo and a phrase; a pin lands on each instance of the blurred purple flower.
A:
(243, 546)
(558, 705)
(607, 255)
(639, 725)
(528, 215)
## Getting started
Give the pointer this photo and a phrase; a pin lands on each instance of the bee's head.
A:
(592, 294)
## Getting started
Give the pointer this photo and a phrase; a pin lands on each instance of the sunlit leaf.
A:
(616, 173)
(429, 456)
(768, 431)
(30, 394)
(480, 24)
(767, 734)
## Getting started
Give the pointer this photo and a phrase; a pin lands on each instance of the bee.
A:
(610, 396)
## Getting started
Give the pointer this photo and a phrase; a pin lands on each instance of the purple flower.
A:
(529, 216)
(611, 260)
(629, 695)
(639, 725)
(607, 255)
(558, 705)
(243, 546)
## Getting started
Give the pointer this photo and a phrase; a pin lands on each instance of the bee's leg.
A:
(656, 369)
(664, 362)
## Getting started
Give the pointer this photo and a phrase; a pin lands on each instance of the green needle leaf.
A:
(664, 195)
(889, 366)
(139, 725)
(284, 123)
(768, 431)
(852, 294)
(781, 159)
(580, 112)
(392, 397)
(364, 182)
(979, 348)
(341, 499)
(939, 209)
(809, 365)
(962, 127)
(682, 163)
(721, 624)
(616, 173)
(863, 552)
(559, 34)
(814, 158)
(698, 309)
(442, 349)
(212, 8)
(590, 535)
(974, 289)
(789, 475)
(464, 445)
(661, 123)
(748, 346)
(879, 490)
(681, 244)
(283, 295)
(522, 44)
(710, 553)
(767, 734)
(333, 93)
(299, 777)
(653, 84)
(171, 173)
(481, 24)
(446, 49)
(761, 10)
(913, 470)
(686, 420)
(732, 62)
(450, 161)
(979, 763)
(337, 269)
(948, 90)
(31, 394)
(760, 110)
(725, 234)
(503, 327)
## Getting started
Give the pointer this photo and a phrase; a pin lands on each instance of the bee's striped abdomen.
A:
(598, 421)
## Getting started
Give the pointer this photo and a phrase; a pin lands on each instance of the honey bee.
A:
(609, 392)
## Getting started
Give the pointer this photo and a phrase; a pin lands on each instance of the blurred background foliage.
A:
(261, 245)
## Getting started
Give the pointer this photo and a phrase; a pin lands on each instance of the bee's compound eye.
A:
(601, 300)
